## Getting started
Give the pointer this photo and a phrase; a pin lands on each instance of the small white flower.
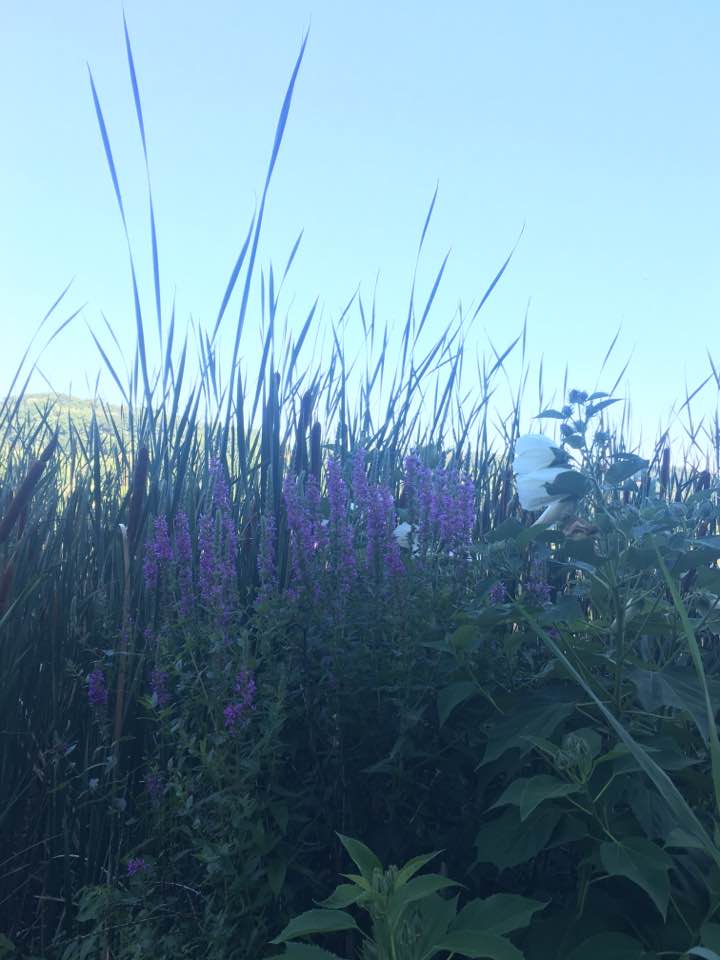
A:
(403, 533)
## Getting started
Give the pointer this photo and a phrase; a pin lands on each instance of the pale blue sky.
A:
(594, 124)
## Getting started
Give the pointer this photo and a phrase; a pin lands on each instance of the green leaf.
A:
(307, 951)
(416, 889)
(509, 733)
(569, 483)
(700, 671)
(433, 917)
(363, 858)
(550, 415)
(527, 794)
(592, 408)
(644, 863)
(684, 814)
(412, 866)
(609, 946)
(452, 696)
(507, 841)
(704, 953)
(316, 921)
(478, 944)
(676, 687)
(344, 895)
(501, 913)
(710, 936)
(624, 468)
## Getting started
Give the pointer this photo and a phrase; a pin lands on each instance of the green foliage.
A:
(409, 917)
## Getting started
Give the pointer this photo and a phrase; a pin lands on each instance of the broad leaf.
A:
(416, 889)
(473, 943)
(624, 468)
(308, 951)
(644, 863)
(452, 696)
(508, 842)
(412, 866)
(362, 856)
(502, 913)
(343, 895)
(527, 794)
(316, 921)
(509, 733)
(677, 687)
(609, 946)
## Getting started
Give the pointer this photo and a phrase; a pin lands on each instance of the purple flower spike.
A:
(136, 865)
(97, 690)
(498, 593)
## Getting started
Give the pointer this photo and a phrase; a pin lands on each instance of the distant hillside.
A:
(59, 409)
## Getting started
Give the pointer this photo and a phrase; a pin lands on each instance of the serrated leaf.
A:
(592, 408)
(644, 863)
(478, 944)
(529, 793)
(362, 856)
(452, 696)
(624, 468)
(416, 889)
(569, 483)
(499, 914)
(609, 946)
(508, 842)
(409, 869)
(308, 951)
(549, 415)
(316, 921)
(344, 895)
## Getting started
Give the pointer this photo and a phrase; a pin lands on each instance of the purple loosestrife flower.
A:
(266, 561)
(498, 593)
(159, 688)
(217, 541)
(155, 787)
(97, 690)
(157, 552)
(136, 865)
(537, 591)
(360, 485)
(308, 535)
(183, 558)
(340, 531)
(237, 713)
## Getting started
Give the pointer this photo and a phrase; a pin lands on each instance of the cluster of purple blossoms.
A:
(97, 689)
(267, 560)
(159, 688)
(498, 593)
(237, 712)
(308, 535)
(155, 787)
(183, 557)
(136, 865)
(442, 502)
(217, 541)
(340, 531)
(375, 507)
(537, 591)
(158, 550)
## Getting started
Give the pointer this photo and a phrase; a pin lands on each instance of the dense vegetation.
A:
(241, 627)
